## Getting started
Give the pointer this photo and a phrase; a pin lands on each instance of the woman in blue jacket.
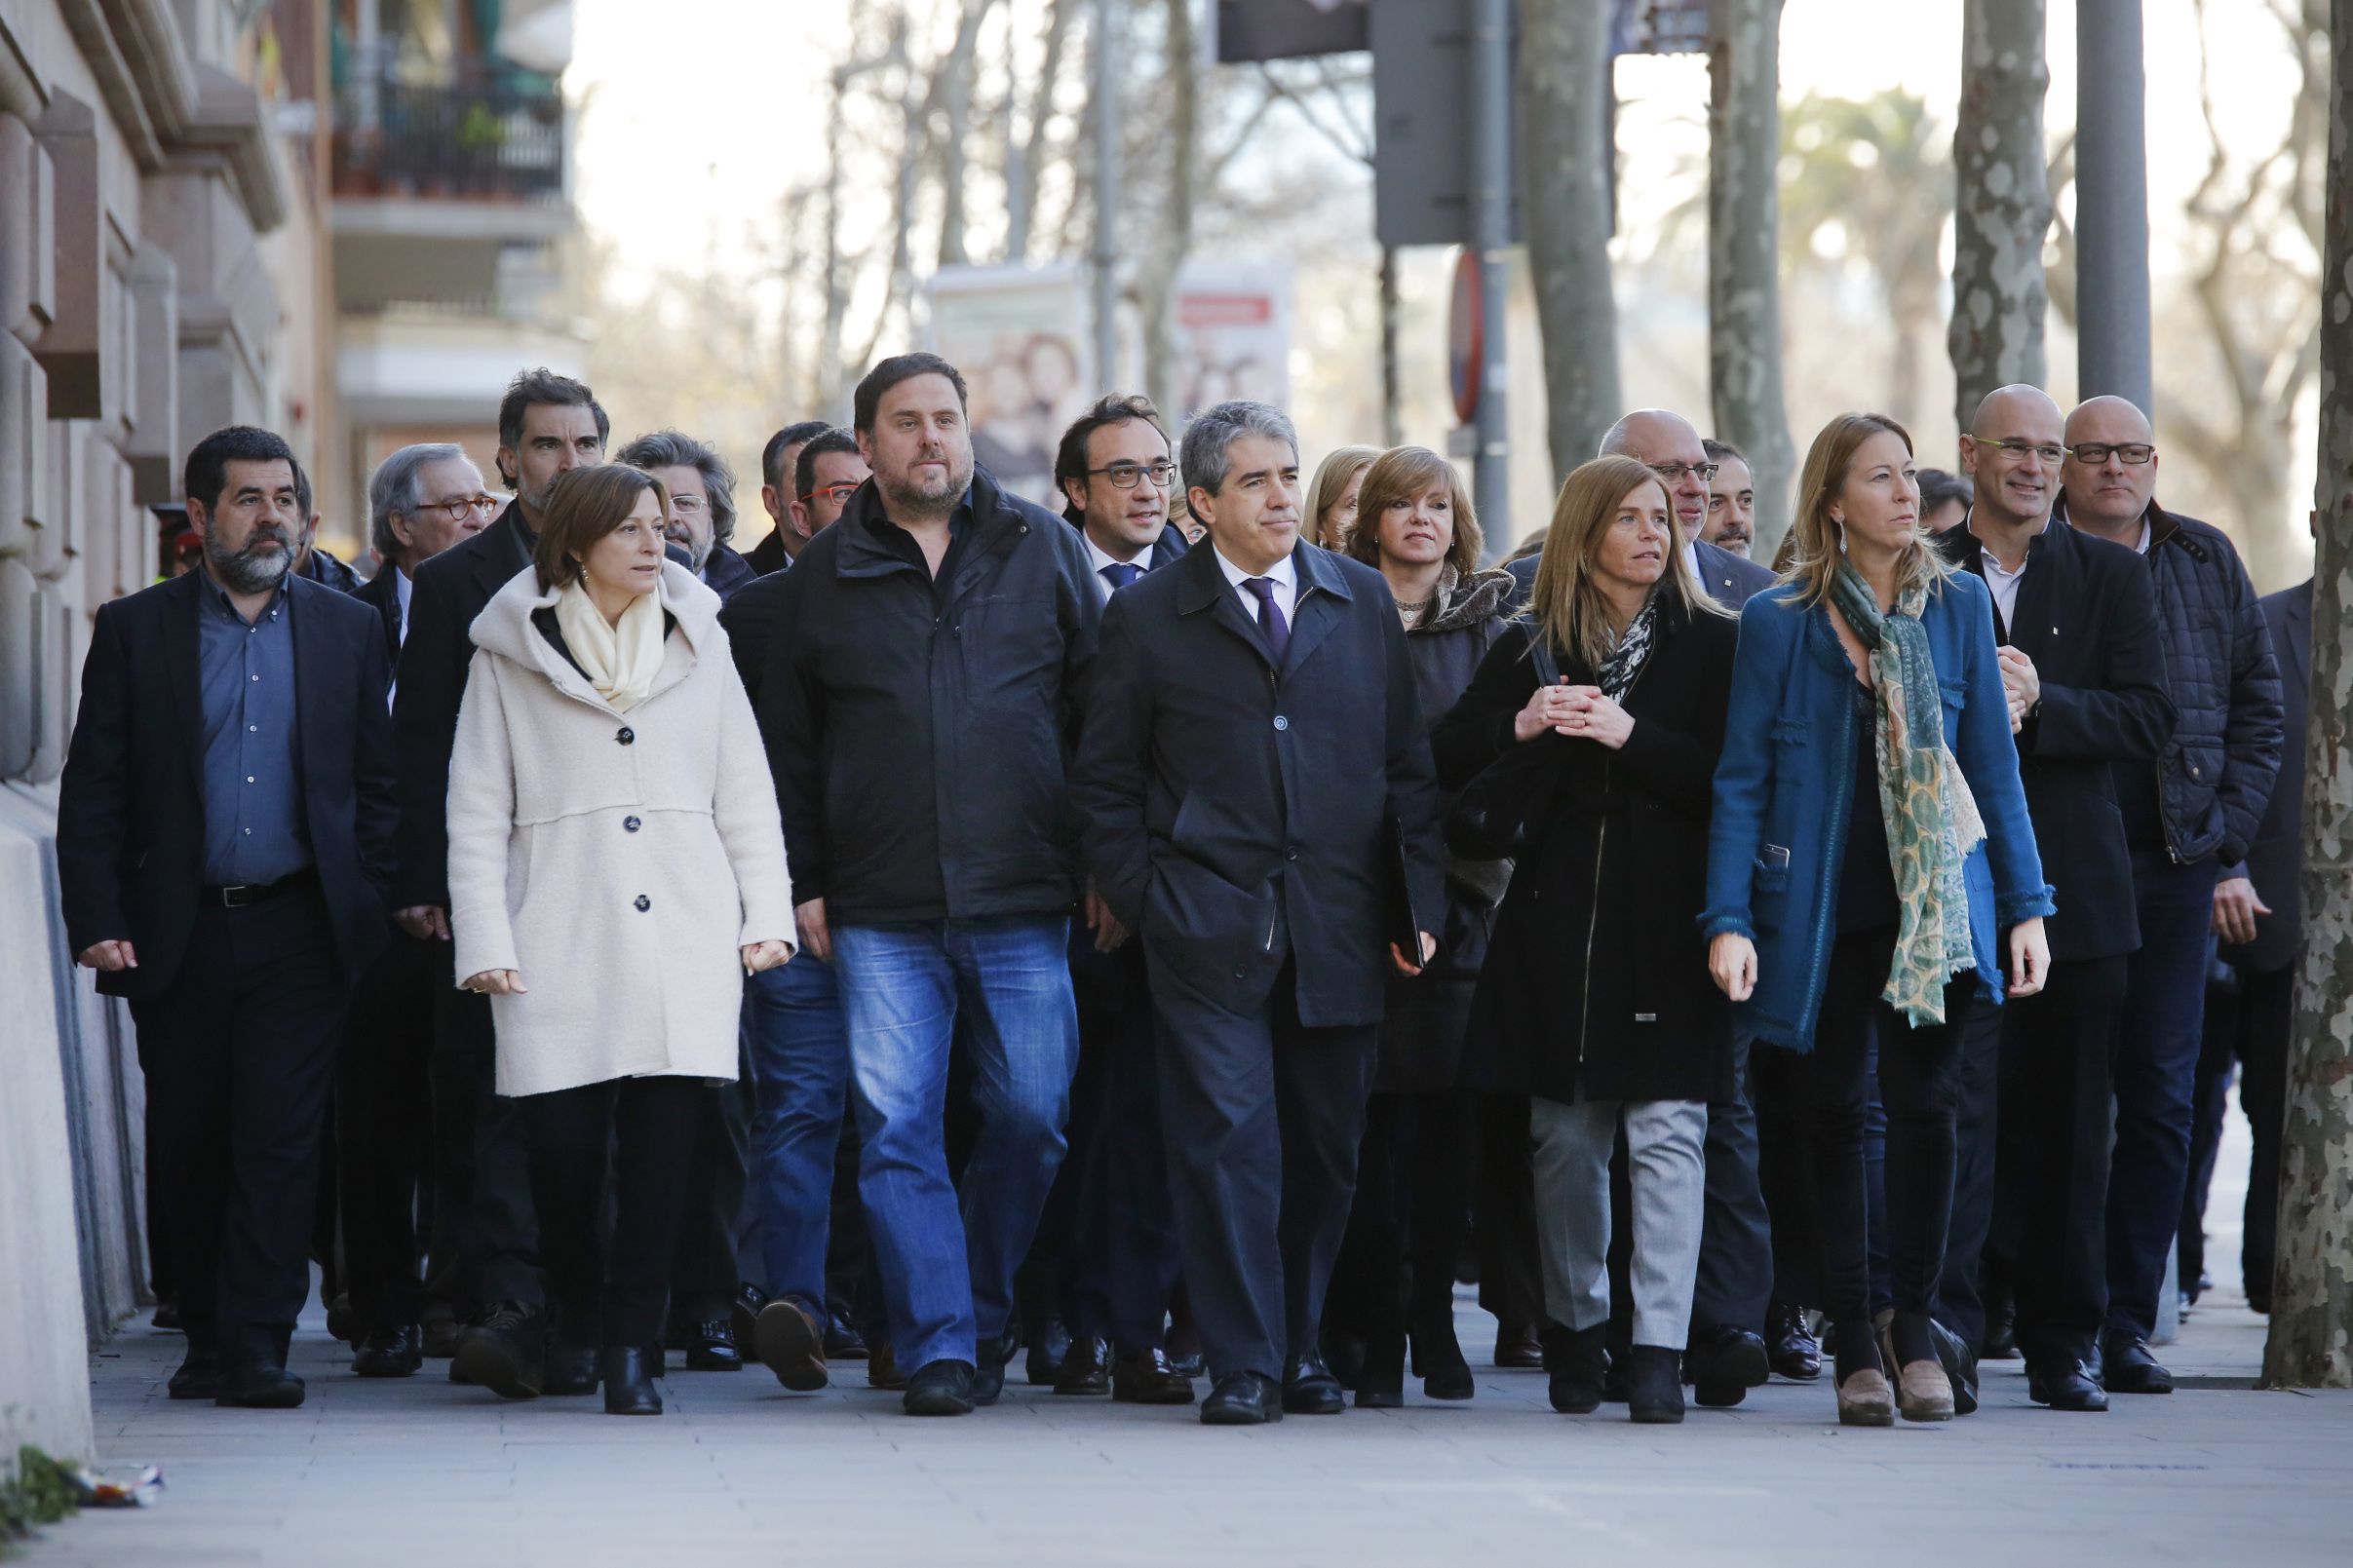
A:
(1869, 838)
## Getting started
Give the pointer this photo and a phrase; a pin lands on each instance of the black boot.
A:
(1438, 1353)
(1655, 1384)
(1381, 1378)
(2001, 1328)
(1576, 1363)
(627, 1374)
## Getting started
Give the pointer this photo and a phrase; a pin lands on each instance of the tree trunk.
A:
(1393, 420)
(1744, 251)
(2311, 1337)
(2002, 206)
(955, 94)
(1026, 157)
(1175, 237)
(1567, 165)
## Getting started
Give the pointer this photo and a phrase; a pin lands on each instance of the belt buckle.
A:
(237, 896)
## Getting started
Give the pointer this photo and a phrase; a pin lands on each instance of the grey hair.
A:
(669, 448)
(395, 488)
(1217, 427)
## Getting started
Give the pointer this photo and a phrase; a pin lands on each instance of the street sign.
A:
(1287, 29)
(1466, 336)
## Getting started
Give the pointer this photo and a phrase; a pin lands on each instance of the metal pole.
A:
(1107, 195)
(1491, 142)
(2111, 203)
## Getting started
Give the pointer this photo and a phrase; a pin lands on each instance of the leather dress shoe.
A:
(1086, 1367)
(1789, 1349)
(1654, 1388)
(744, 1313)
(990, 1360)
(504, 1352)
(1577, 1361)
(2000, 1342)
(2128, 1367)
(390, 1351)
(627, 1373)
(1148, 1377)
(568, 1371)
(843, 1343)
(167, 1317)
(2065, 1386)
(1960, 1368)
(258, 1386)
(442, 1335)
(1047, 1348)
(1194, 1364)
(882, 1368)
(710, 1347)
(941, 1389)
(1723, 1362)
(343, 1324)
(1245, 1400)
(1309, 1389)
(198, 1377)
(790, 1344)
(1519, 1348)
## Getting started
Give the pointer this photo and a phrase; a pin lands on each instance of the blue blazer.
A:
(1778, 835)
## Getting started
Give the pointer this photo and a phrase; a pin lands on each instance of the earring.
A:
(1841, 527)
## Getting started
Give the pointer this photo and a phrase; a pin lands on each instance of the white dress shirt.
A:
(1099, 560)
(402, 587)
(1283, 576)
(2003, 580)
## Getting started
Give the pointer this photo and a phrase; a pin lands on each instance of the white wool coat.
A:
(617, 861)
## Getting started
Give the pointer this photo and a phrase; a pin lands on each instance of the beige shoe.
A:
(1923, 1393)
(1864, 1399)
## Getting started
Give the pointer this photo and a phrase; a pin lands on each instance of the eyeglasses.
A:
(2096, 453)
(1125, 476)
(457, 506)
(689, 506)
(2018, 446)
(838, 494)
(1672, 472)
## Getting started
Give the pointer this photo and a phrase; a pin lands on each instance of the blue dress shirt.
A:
(254, 829)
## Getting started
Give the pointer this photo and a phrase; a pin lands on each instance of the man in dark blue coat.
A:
(224, 847)
(1253, 759)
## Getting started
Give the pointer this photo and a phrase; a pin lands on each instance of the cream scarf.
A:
(620, 660)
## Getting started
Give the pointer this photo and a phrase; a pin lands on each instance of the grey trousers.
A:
(1667, 1168)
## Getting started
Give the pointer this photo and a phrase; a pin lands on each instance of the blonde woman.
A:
(1591, 729)
(1870, 839)
(616, 867)
(1331, 496)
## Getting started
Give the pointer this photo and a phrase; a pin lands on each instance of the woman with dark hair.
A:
(616, 867)
(1416, 526)
(1870, 838)
(1589, 736)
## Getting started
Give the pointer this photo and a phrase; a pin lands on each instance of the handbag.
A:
(1489, 819)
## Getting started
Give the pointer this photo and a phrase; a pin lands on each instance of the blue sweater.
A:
(1778, 838)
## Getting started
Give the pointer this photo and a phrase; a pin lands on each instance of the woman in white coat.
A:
(616, 867)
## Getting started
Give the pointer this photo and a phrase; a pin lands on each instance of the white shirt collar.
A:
(2143, 546)
(1691, 560)
(1282, 572)
(404, 587)
(1099, 558)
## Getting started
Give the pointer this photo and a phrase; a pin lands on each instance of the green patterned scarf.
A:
(1932, 818)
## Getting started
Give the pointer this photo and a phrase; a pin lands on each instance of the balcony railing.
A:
(481, 141)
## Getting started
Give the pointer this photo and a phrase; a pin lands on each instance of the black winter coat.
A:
(920, 730)
(1596, 986)
(2275, 860)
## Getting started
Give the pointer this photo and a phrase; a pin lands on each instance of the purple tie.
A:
(1270, 617)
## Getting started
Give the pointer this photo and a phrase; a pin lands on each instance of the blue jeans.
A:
(2156, 1082)
(947, 1275)
(799, 1049)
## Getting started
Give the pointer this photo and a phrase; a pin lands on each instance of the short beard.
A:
(909, 501)
(242, 571)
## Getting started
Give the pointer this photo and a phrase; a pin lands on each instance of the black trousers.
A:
(1411, 1213)
(1824, 1092)
(1967, 1284)
(2249, 1023)
(384, 1133)
(481, 1177)
(240, 1061)
(1122, 1262)
(1261, 1117)
(638, 1134)
(711, 1229)
(1503, 1217)
(1736, 1236)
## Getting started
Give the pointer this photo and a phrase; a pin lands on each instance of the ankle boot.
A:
(1575, 1363)
(1381, 1378)
(1654, 1384)
(1438, 1353)
(627, 1372)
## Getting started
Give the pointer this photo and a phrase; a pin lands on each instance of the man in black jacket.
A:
(548, 425)
(224, 841)
(2081, 665)
(1253, 753)
(918, 707)
(2186, 816)
(422, 500)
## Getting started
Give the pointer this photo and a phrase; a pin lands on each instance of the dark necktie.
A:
(1270, 617)
(1121, 573)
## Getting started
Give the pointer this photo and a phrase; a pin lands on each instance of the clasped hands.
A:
(1578, 711)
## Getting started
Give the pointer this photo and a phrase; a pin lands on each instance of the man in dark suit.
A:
(2078, 624)
(422, 500)
(1104, 1263)
(225, 842)
(1252, 752)
(2259, 918)
(780, 460)
(548, 425)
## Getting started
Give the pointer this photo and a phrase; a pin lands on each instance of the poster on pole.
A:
(1018, 334)
(1232, 336)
